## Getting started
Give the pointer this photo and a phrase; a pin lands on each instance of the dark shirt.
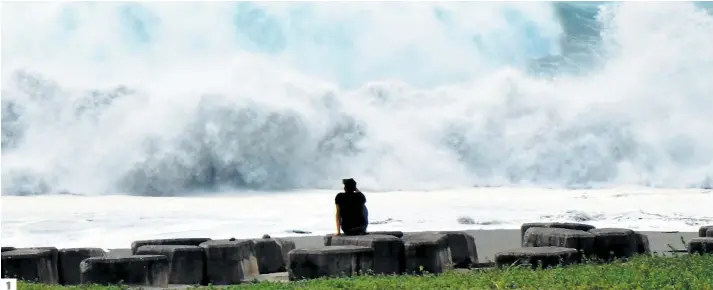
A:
(351, 209)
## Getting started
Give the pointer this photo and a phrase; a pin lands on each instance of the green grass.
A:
(645, 272)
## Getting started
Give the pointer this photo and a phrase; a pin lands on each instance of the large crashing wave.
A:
(166, 99)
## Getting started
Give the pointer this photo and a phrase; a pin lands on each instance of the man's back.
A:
(351, 209)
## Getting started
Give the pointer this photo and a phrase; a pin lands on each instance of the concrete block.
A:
(55, 257)
(557, 237)
(176, 242)
(270, 258)
(389, 255)
(703, 230)
(612, 243)
(286, 245)
(427, 252)
(642, 244)
(230, 261)
(569, 226)
(464, 252)
(139, 270)
(68, 261)
(544, 257)
(700, 246)
(32, 265)
(186, 264)
(331, 261)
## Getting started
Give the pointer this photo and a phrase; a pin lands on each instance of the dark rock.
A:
(32, 265)
(388, 251)
(230, 262)
(298, 232)
(176, 242)
(464, 252)
(614, 243)
(139, 270)
(569, 226)
(642, 243)
(265, 236)
(397, 234)
(558, 237)
(702, 231)
(186, 264)
(464, 220)
(68, 261)
(427, 252)
(538, 257)
(269, 256)
(331, 261)
(5, 249)
(700, 246)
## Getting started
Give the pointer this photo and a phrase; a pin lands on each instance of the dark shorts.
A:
(355, 231)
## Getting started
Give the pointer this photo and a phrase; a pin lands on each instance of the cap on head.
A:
(349, 183)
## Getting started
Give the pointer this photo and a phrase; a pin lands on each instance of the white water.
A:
(399, 96)
(170, 99)
(116, 221)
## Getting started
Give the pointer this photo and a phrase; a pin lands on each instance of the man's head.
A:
(349, 185)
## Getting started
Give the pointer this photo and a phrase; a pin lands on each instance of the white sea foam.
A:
(180, 99)
(116, 221)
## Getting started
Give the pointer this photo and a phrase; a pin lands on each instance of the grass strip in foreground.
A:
(643, 272)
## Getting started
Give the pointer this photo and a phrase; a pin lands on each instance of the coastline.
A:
(488, 242)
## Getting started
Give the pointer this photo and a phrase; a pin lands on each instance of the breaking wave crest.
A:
(169, 99)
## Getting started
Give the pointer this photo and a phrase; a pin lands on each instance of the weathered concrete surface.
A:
(330, 261)
(464, 252)
(230, 261)
(700, 246)
(397, 234)
(55, 258)
(538, 257)
(610, 243)
(177, 242)
(709, 233)
(273, 277)
(139, 270)
(186, 264)
(703, 230)
(558, 237)
(32, 265)
(286, 245)
(389, 256)
(642, 243)
(427, 252)
(68, 261)
(491, 242)
(556, 225)
(269, 255)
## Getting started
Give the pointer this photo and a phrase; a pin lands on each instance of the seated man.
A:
(351, 209)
